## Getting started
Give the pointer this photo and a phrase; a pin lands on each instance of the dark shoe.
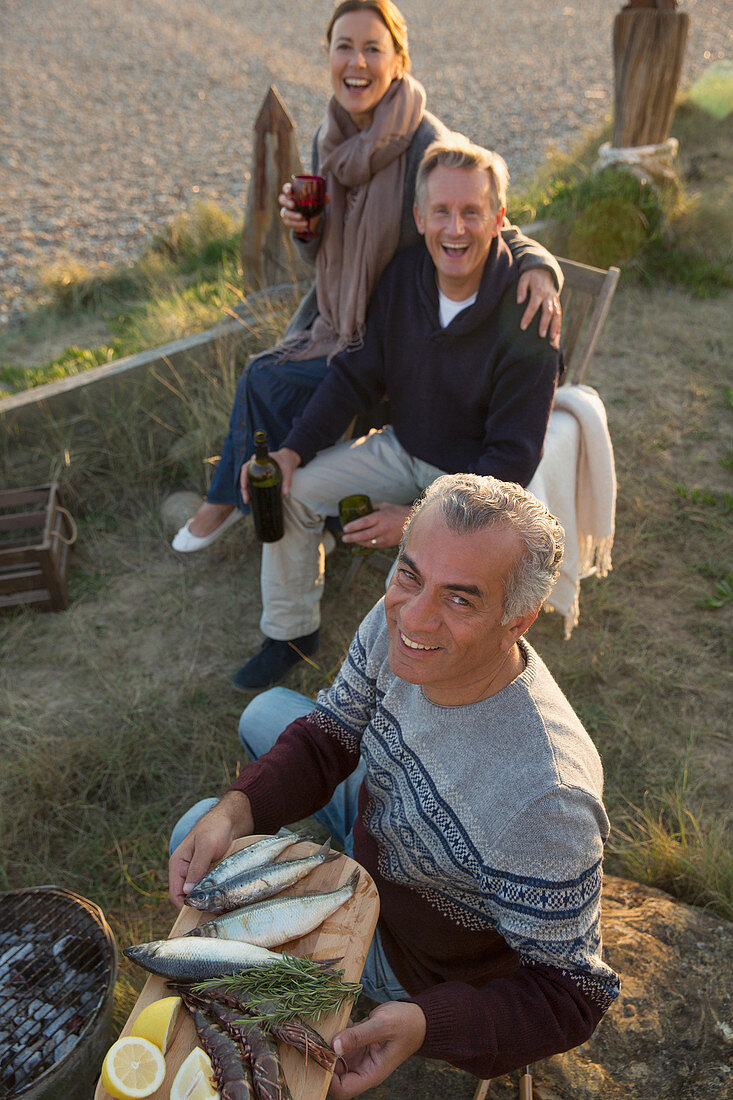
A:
(273, 661)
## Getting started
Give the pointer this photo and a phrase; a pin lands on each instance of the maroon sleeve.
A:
(299, 773)
(511, 1022)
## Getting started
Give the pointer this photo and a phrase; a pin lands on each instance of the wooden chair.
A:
(585, 298)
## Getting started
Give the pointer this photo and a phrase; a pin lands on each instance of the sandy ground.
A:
(115, 118)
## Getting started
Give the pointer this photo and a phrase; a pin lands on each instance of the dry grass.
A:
(118, 714)
(186, 280)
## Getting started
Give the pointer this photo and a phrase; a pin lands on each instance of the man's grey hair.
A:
(470, 503)
(456, 151)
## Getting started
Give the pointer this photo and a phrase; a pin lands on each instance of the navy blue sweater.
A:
(473, 397)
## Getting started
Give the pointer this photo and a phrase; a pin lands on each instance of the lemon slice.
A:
(132, 1068)
(194, 1079)
(157, 1021)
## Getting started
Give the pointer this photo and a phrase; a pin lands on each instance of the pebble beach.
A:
(116, 118)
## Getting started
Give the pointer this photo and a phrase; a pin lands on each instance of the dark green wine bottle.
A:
(265, 492)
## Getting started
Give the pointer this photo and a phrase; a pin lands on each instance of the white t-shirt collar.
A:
(450, 309)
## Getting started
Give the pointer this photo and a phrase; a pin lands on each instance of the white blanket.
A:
(576, 480)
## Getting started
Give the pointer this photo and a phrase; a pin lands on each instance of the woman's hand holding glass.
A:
(293, 220)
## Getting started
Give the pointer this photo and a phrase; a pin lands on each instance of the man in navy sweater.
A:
(469, 391)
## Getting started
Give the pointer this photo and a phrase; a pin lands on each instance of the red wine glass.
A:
(309, 196)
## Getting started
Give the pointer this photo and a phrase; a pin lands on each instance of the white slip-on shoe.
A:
(187, 543)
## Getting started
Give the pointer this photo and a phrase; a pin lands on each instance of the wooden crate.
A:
(36, 534)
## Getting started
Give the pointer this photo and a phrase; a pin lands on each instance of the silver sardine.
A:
(277, 920)
(259, 883)
(183, 959)
(255, 855)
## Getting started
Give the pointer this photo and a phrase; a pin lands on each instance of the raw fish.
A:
(277, 920)
(262, 851)
(259, 883)
(186, 959)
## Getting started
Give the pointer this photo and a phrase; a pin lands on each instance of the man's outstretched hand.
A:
(375, 1047)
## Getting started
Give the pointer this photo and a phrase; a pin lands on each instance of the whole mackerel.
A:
(259, 883)
(255, 855)
(277, 920)
(183, 959)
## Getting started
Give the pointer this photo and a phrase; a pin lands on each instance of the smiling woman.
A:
(365, 56)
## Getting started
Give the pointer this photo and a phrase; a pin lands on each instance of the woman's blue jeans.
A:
(271, 392)
(262, 722)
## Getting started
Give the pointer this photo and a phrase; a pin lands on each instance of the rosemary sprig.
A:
(300, 987)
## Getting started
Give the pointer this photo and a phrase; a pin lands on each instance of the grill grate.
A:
(56, 962)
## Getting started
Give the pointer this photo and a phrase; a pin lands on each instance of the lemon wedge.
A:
(157, 1021)
(132, 1068)
(194, 1079)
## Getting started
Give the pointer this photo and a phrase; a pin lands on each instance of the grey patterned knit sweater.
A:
(483, 828)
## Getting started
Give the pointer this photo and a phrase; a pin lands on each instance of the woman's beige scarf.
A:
(365, 177)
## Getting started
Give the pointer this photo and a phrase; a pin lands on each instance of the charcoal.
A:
(65, 1047)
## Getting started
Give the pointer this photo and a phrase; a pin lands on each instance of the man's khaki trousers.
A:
(293, 568)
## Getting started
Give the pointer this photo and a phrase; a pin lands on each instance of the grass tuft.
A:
(73, 360)
(664, 844)
(205, 237)
(73, 286)
(682, 236)
(187, 280)
(722, 595)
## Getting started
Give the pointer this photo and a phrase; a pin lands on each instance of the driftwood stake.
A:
(649, 38)
(268, 255)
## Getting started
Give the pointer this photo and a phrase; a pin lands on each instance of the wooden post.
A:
(649, 39)
(268, 255)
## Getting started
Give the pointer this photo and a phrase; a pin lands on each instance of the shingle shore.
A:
(116, 117)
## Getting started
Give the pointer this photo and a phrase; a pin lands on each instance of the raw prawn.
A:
(297, 1034)
(233, 1078)
(260, 1051)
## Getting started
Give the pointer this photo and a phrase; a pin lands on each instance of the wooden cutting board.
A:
(346, 934)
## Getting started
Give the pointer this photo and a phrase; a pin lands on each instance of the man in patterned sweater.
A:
(450, 764)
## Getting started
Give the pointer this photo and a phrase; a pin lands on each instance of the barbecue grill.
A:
(58, 964)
